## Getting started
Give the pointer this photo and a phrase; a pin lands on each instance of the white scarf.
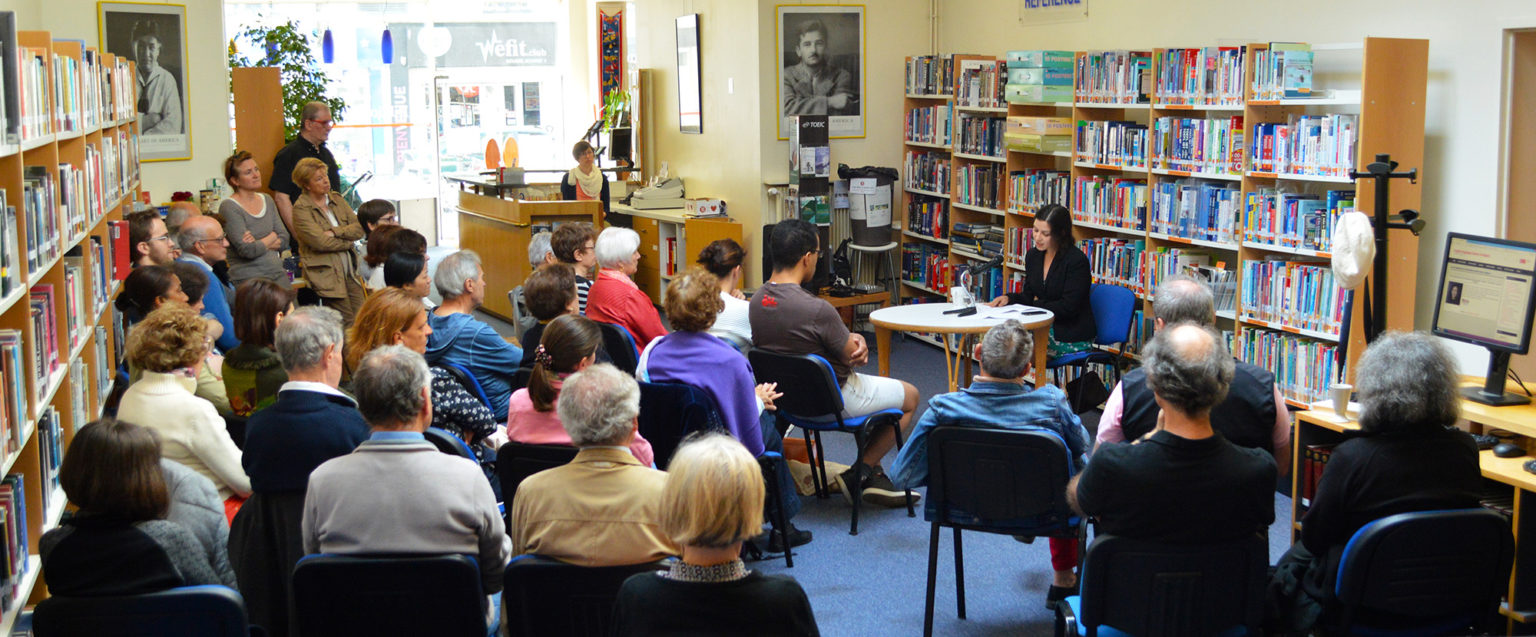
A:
(591, 184)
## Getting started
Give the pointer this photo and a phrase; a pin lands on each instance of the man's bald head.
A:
(1188, 367)
(1181, 299)
(204, 237)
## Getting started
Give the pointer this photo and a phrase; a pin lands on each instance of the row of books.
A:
(1114, 77)
(1195, 209)
(1017, 242)
(39, 210)
(1300, 294)
(1294, 219)
(1198, 145)
(981, 136)
(1306, 145)
(929, 125)
(928, 216)
(1163, 262)
(1304, 368)
(68, 100)
(981, 84)
(13, 532)
(1313, 459)
(76, 306)
(15, 416)
(1116, 261)
(108, 89)
(1034, 188)
(1111, 201)
(1282, 71)
(77, 204)
(1117, 143)
(1204, 76)
(45, 336)
(50, 451)
(930, 75)
(980, 185)
(36, 116)
(979, 238)
(926, 265)
(927, 170)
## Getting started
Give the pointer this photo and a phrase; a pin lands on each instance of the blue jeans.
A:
(773, 441)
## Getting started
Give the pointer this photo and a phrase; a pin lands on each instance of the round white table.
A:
(956, 332)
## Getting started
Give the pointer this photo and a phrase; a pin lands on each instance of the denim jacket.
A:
(995, 405)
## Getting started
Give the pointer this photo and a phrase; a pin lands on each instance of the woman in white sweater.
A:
(169, 345)
(723, 259)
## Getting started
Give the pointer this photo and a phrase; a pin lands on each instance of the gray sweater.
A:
(252, 260)
(195, 505)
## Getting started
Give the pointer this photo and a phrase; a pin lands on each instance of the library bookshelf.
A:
(68, 173)
(1164, 176)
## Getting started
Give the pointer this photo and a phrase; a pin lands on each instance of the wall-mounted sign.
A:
(472, 44)
(1049, 11)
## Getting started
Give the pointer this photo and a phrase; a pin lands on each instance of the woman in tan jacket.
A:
(325, 227)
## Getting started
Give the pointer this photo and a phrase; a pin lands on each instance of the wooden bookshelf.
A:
(89, 347)
(935, 137)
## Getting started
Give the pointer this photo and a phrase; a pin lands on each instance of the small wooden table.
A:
(845, 304)
(930, 317)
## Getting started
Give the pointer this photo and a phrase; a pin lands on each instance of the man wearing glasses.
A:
(203, 244)
(152, 243)
(314, 128)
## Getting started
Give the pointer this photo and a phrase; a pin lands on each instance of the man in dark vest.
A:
(1253, 414)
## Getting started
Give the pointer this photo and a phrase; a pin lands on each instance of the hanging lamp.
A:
(387, 47)
(327, 47)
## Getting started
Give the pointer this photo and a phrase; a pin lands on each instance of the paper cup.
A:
(1340, 393)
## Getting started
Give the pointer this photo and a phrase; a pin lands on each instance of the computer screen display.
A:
(1486, 292)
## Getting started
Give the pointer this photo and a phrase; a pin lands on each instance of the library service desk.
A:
(957, 332)
(1508, 487)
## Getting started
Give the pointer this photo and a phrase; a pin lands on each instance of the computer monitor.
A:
(619, 142)
(1487, 297)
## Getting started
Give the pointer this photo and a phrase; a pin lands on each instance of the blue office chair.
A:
(813, 402)
(671, 411)
(388, 595)
(994, 481)
(1135, 587)
(544, 596)
(1114, 308)
(620, 346)
(211, 611)
(1424, 573)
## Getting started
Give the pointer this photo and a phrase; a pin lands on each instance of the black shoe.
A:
(1027, 539)
(1058, 594)
(879, 490)
(847, 479)
(797, 538)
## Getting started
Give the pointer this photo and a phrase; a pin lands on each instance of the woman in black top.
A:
(1057, 278)
(713, 502)
(1408, 457)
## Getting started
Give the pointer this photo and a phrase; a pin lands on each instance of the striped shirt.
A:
(582, 285)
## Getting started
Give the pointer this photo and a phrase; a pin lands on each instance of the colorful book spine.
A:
(979, 185)
(1297, 294)
(928, 216)
(1110, 201)
(929, 125)
(1034, 188)
(927, 171)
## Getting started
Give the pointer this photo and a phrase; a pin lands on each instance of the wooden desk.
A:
(845, 304)
(1317, 427)
(930, 317)
(499, 229)
(664, 227)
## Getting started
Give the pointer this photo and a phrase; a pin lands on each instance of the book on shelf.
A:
(980, 185)
(13, 501)
(41, 212)
(1034, 188)
(1163, 262)
(101, 274)
(1284, 218)
(74, 296)
(1213, 145)
(1111, 201)
(929, 125)
(90, 88)
(1018, 242)
(928, 216)
(105, 366)
(927, 171)
(117, 232)
(1299, 294)
(10, 249)
(68, 103)
(36, 117)
(1116, 143)
(77, 388)
(930, 75)
(1117, 261)
(981, 135)
(1303, 367)
(1114, 77)
(1312, 145)
(13, 372)
(1314, 459)
(926, 265)
(50, 451)
(45, 336)
(1195, 209)
(1208, 76)
(981, 84)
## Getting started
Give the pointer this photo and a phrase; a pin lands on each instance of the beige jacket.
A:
(329, 261)
(602, 509)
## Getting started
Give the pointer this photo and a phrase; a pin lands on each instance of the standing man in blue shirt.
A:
(997, 399)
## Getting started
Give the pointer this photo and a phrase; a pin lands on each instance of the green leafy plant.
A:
(615, 109)
(288, 48)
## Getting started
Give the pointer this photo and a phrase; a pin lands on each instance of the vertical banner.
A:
(610, 48)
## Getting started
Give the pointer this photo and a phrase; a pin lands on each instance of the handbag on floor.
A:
(1086, 392)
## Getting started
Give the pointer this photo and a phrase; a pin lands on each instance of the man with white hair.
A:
(397, 494)
(203, 244)
(460, 338)
(604, 508)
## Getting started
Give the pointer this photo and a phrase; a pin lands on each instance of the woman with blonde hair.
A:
(568, 345)
(393, 316)
(170, 345)
(326, 228)
(712, 503)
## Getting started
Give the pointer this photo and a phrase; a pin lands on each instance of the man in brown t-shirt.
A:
(787, 319)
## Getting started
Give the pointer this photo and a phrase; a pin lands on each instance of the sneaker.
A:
(879, 490)
(846, 479)
(797, 538)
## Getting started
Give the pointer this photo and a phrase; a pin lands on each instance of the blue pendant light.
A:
(327, 47)
(387, 47)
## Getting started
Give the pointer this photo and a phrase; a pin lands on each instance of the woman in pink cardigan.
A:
(614, 297)
(569, 344)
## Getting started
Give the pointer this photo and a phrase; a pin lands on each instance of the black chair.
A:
(388, 595)
(620, 347)
(206, 611)
(544, 596)
(520, 378)
(813, 402)
(1424, 573)
(1012, 482)
(1152, 589)
(515, 461)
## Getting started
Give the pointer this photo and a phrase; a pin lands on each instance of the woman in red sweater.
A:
(614, 297)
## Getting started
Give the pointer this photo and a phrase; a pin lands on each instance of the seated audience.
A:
(170, 345)
(694, 357)
(253, 372)
(997, 399)
(311, 422)
(550, 293)
(1409, 456)
(614, 297)
(711, 504)
(604, 508)
(203, 245)
(257, 235)
(147, 288)
(408, 271)
(151, 241)
(377, 250)
(460, 338)
(210, 379)
(786, 319)
(723, 258)
(394, 317)
(574, 244)
(397, 493)
(119, 542)
(373, 215)
(1253, 414)
(569, 345)
(1185, 483)
(389, 240)
(325, 228)
(539, 251)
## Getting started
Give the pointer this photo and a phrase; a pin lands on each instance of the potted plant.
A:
(616, 121)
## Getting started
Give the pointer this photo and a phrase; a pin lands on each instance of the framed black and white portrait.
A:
(154, 37)
(821, 66)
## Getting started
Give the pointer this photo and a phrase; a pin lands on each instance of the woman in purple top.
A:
(692, 356)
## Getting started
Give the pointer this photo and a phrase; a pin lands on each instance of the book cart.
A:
(69, 170)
